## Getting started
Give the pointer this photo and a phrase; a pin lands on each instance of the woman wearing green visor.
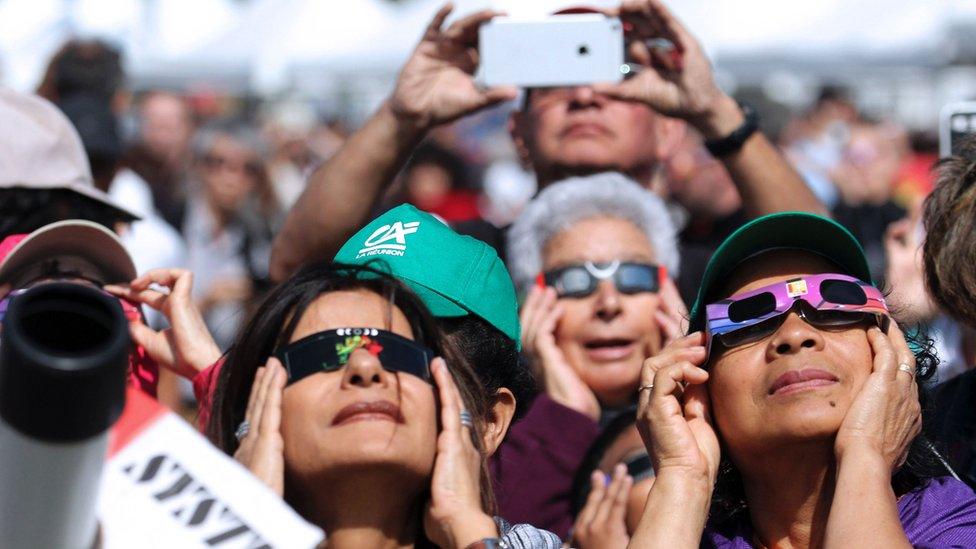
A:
(790, 415)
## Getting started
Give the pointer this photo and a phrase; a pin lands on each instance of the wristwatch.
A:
(731, 143)
(489, 543)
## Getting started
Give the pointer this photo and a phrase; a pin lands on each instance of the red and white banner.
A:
(164, 485)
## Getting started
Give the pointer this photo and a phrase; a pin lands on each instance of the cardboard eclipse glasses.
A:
(330, 350)
(828, 300)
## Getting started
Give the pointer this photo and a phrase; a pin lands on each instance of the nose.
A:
(363, 370)
(792, 336)
(583, 96)
(608, 301)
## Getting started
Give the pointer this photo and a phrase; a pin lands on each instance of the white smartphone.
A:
(560, 50)
(956, 121)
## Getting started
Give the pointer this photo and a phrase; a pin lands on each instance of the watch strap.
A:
(731, 143)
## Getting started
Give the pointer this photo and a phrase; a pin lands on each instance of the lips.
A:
(800, 380)
(609, 349)
(584, 129)
(381, 410)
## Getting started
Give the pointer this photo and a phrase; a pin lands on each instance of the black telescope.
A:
(63, 362)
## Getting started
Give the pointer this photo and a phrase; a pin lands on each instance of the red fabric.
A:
(8, 245)
(455, 207)
(204, 384)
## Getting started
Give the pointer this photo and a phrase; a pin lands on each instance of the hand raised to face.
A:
(885, 416)
(673, 414)
(455, 517)
(261, 449)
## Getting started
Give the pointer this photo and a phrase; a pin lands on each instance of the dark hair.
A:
(430, 153)
(949, 252)
(494, 357)
(274, 322)
(580, 489)
(83, 66)
(729, 500)
(24, 210)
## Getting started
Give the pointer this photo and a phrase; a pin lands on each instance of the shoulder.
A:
(942, 511)
(526, 536)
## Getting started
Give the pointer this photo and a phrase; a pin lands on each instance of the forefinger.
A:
(465, 30)
(450, 412)
(885, 362)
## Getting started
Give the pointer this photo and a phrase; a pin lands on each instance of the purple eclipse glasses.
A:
(824, 300)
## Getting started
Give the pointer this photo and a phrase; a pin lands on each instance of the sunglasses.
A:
(823, 301)
(330, 351)
(639, 466)
(214, 162)
(582, 279)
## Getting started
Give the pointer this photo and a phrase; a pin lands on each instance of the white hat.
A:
(40, 149)
(76, 245)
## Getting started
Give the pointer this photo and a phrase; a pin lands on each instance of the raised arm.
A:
(435, 87)
(681, 84)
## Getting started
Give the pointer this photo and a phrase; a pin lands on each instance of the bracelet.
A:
(731, 143)
(489, 543)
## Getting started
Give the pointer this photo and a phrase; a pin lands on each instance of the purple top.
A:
(533, 470)
(939, 513)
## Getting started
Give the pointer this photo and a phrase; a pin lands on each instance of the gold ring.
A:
(645, 387)
(907, 368)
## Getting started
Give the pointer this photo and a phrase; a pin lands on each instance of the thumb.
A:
(492, 96)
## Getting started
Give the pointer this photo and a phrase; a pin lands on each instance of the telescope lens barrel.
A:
(63, 358)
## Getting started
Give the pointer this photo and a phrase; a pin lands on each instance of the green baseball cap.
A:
(455, 275)
(779, 231)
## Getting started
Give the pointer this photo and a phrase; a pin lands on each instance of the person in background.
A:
(815, 141)
(161, 154)
(229, 225)
(949, 254)
(707, 205)
(436, 180)
(791, 415)
(381, 435)
(611, 486)
(631, 128)
(288, 127)
(866, 177)
(87, 83)
(44, 173)
(594, 255)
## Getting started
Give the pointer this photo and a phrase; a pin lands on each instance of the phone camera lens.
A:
(583, 50)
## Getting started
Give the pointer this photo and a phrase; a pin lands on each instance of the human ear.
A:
(518, 129)
(501, 412)
(668, 135)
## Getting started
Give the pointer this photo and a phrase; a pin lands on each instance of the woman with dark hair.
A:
(332, 395)
(798, 393)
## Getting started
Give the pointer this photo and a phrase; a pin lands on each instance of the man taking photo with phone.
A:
(629, 127)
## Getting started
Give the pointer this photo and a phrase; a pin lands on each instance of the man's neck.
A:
(789, 493)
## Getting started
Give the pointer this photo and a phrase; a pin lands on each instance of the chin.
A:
(611, 387)
(588, 157)
(811, 420)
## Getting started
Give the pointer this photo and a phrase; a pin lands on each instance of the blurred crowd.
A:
(612, 249)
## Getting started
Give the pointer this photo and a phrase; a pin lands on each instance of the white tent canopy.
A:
(264, 39)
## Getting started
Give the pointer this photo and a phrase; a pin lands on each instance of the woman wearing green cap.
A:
(790, 416)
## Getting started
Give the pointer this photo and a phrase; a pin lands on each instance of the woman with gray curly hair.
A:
(593, 257)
